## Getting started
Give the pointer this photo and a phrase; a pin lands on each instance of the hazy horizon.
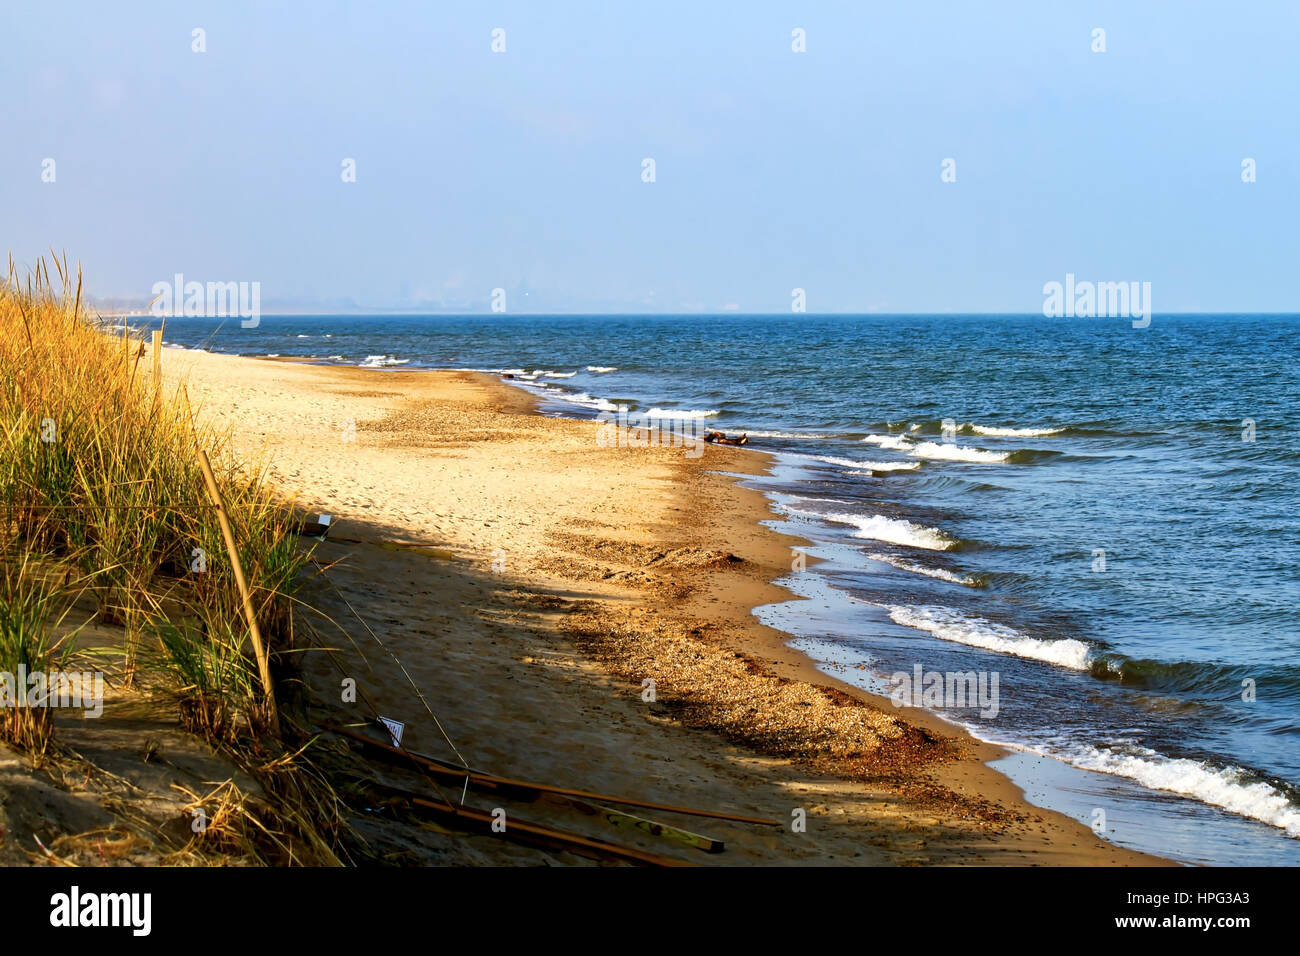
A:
(775, 170)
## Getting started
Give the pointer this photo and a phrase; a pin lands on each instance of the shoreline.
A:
(919, 773)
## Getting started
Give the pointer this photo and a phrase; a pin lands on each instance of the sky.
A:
(774, 170)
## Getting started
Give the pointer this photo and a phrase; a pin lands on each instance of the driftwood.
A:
(719, 438)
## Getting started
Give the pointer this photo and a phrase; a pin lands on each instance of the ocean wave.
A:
(601, 369)
(678, 413)
(832, 460)
(891, 530)
(995, 431)
(382, 361)
(1223, 787)
(940, 452)
(809, 435)
(943, 574)
(935, 426)
(897, 442)
(583, 399)
(560, 374)
(874, 466)
(951, 625)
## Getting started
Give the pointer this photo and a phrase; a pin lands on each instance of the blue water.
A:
(1096, 529)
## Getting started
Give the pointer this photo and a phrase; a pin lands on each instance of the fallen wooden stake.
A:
(522, 831)
(617, 818)
(479, 780)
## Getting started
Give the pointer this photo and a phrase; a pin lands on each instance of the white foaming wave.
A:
(892, 530)
(897, 442)
(838, 501)
(382, 361)
(949, 625)
(943, 574)
(588, 401)
(1219, 787)
(1013, 432)
(832, 460)
(873, 466)
(560, 374)
(938, 452)
(678, 413)
(601, 369)
(865, 468)
(303, 336)
(814, 435)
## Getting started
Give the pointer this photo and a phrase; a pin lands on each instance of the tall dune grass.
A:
(99, 476)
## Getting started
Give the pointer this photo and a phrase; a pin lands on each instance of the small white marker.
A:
(395, 728)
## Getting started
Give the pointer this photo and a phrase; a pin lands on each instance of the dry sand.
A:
(559, 576)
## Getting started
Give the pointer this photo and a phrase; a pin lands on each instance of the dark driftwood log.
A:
(718, 438)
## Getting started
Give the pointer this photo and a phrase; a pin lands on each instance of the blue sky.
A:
(774, 170)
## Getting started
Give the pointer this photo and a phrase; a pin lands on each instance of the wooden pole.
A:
(263, 665)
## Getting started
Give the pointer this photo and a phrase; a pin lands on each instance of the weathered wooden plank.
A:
(618, 818)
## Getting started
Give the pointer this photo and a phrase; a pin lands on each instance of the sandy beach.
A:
(531, 584)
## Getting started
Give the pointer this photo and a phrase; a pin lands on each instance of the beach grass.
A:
(103, 502)
(101, 476)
